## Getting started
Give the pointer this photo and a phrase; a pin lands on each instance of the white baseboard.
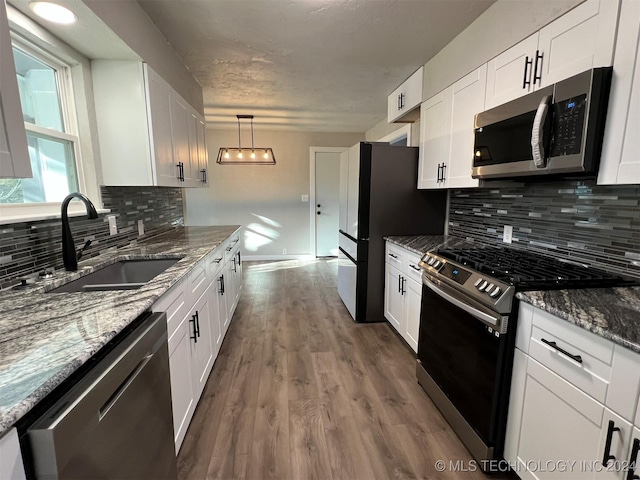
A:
(253, 258)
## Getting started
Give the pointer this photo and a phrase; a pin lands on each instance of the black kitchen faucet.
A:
(69, 255)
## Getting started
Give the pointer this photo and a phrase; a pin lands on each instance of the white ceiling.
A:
(312, 65)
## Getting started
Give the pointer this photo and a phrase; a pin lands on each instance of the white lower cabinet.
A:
(198, 316)
(411, 321)
(560, 423)
(201, 320)
(393, 299)
(180, 368)
(11, 466)
(403, 293)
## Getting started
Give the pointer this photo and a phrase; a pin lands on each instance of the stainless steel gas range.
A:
(467, 331)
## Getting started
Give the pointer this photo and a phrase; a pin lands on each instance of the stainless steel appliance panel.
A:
(117, 421)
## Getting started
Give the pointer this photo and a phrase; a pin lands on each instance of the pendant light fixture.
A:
(246, 156)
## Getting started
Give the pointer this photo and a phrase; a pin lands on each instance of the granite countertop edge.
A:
(611, 313)
(419, 244)
(112, 311)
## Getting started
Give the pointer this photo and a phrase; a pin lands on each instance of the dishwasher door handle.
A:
(123, 387)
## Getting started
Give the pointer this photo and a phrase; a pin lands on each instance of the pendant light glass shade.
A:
(246, 156)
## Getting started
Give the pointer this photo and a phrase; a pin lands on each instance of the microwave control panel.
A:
(568, 126)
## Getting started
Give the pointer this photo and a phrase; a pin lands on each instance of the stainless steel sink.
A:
(123, 275)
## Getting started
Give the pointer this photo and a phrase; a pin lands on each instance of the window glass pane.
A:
(38, 91)
(54, 173)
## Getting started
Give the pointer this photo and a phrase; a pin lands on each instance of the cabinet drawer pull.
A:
(417, 269)
(606, 456)
(554, 345)
(392, 255)
(631, 473)
(527, 65)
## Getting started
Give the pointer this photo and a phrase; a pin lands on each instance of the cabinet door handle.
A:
(204, 175)
(234, 264)
(631, 473)
(195, 331)
(606, 456)
(537, 76)
(239, 260)
(399, 284)
(403, 291)
(221, 279)
(197, 324)
(439, 167)
(527, 67)
(554, 345)
(444, 169)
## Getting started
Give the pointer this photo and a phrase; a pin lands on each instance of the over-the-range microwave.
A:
(556, 130)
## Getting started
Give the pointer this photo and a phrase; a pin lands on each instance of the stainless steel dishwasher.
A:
(116, 422)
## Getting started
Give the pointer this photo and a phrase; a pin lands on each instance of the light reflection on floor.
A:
(285, 264)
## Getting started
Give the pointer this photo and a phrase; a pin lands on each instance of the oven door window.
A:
(460, 353)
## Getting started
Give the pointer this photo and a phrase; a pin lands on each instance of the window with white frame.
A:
(44, 83)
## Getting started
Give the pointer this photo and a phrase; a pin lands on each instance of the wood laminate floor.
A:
(300, 391)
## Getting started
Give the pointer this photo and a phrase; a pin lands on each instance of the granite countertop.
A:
(419, 244)
(44, 337)
(612, 313)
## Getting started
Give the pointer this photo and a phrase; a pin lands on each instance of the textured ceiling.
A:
(312, 65)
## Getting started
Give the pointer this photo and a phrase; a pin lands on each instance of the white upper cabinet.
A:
(203, 154)
(468, 100)
(581, 39)
(620, 161)
(14, 156)
(446, 140)
(145, 128)
(506, 75)
(435, 144)
(403, 102)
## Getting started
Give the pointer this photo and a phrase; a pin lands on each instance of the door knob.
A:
(318, 213)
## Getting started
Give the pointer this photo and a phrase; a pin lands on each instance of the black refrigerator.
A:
(379, 198)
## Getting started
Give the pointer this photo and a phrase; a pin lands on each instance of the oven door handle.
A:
(493, 321)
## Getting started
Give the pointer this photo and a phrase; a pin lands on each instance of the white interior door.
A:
(327, 205)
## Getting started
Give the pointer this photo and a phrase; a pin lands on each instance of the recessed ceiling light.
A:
(53, 12)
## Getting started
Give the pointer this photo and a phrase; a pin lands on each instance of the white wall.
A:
(130, 22)
(265, 199)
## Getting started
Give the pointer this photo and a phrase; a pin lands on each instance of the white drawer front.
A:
(582, 339)
(584, 371)
(197, 282)
(395, 256)
(413, 270)
(174, 304)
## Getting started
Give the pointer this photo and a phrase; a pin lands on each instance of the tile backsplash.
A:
(575, 220)
(30, 247)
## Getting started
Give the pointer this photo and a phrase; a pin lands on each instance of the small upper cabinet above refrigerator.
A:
(403, 103)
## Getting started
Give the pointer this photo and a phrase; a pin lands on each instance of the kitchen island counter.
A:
(45, 337)
(612, 313)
